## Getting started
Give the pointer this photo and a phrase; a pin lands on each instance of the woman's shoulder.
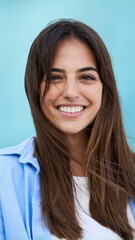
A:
(18, 149)
(18, 155)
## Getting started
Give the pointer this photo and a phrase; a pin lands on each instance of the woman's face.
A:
(75, 90)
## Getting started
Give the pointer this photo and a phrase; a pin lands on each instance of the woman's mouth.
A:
(72, 109)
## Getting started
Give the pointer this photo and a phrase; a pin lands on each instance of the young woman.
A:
(76, 178)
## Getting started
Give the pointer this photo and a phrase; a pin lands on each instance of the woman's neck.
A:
(78, 144)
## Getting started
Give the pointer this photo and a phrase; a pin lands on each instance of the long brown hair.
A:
(109, 160)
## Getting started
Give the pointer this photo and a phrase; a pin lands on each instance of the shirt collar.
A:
(26, 152)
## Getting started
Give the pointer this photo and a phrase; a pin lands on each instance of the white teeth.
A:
(71, 109)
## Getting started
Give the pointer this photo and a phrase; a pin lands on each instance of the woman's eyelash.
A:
(55, 77)
(88, 77)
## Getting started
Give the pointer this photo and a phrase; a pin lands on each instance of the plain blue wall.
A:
(21, 21)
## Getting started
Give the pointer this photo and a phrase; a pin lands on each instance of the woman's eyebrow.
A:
(57, 70)
(87, 69)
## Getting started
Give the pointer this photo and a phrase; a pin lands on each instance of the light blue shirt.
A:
(20, 213)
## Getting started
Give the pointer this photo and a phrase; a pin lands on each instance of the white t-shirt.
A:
(92, 230)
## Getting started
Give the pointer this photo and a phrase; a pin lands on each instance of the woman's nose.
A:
(71, 90)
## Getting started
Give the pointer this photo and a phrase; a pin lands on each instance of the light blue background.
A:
(22, 20)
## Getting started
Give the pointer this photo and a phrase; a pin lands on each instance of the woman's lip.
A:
(71, 105)
(72, 114)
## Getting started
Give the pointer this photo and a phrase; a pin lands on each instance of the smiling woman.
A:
(76, 176)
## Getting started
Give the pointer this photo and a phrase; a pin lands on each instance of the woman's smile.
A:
(71, 111)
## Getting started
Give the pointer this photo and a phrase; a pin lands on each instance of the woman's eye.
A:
(88, 77)
(55, 78)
